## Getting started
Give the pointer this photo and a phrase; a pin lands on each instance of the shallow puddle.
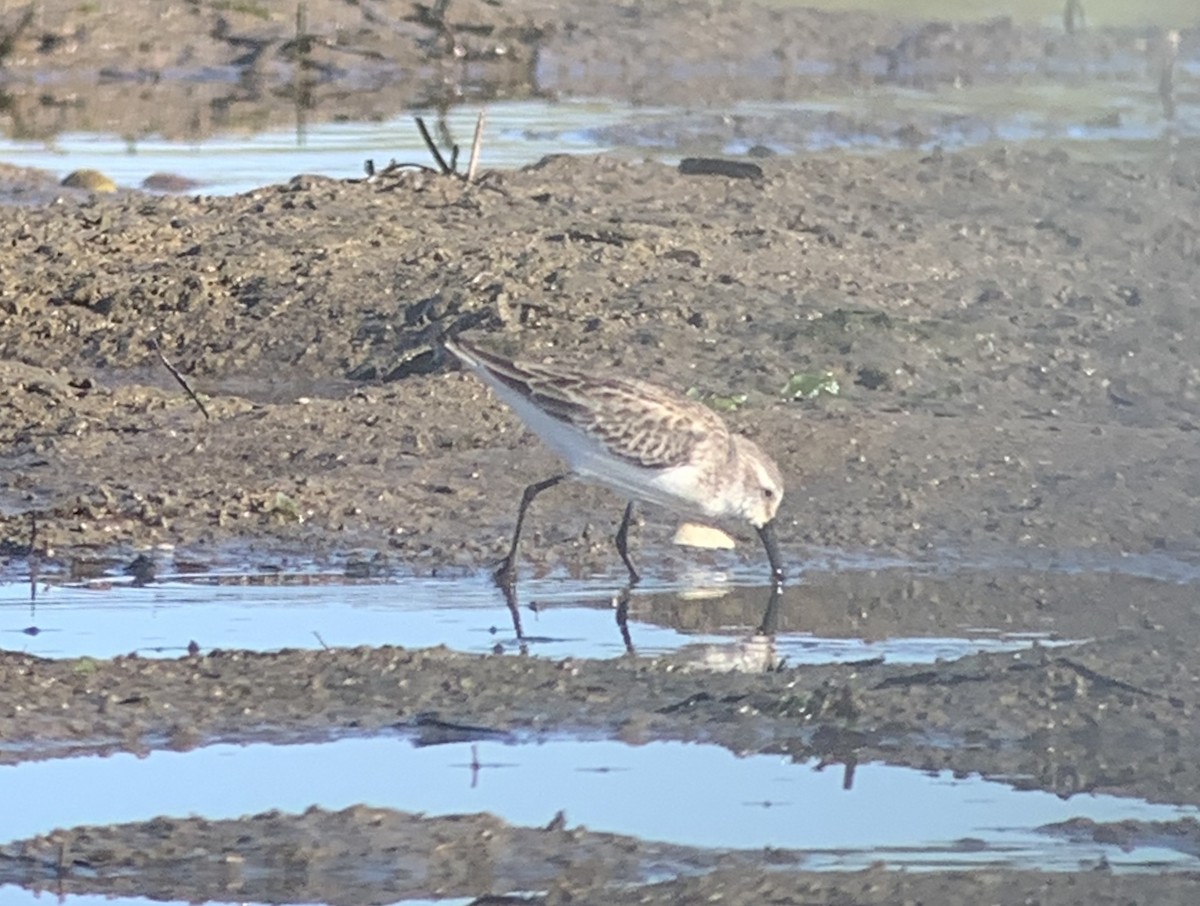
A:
(17, 896)
(684, 794)
(518, 133)
(714, 624)
(521, 132)
(831, 817)
(838, 609)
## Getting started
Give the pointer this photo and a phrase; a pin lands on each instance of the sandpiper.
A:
(645, 442)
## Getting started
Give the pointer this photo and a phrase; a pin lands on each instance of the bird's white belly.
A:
(678, 488)
(675, 488)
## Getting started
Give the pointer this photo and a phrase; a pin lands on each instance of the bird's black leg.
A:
(509, 590)
(506, 573)
(622, 603)
(623, 546)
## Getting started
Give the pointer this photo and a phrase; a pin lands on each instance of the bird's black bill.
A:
(771, 543)
(770, 620)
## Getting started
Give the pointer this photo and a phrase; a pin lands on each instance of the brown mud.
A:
(352, 857)
(1013, 331)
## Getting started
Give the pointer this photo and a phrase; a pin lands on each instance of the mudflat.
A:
(1012, 331)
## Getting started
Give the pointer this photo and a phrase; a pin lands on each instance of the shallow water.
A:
(713, 624)
(16, 895)
(899, 815)
(10, 894)
(518, 133)
(838, 609)
(522, 132)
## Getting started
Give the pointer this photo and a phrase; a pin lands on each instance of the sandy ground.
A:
(1013, 332)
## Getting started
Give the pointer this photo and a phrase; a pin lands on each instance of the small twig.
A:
(433, 149)
(321, 640)
(1111, 682)
(179, 377)
(476, 146)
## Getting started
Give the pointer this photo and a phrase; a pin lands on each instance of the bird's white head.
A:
(762, 483)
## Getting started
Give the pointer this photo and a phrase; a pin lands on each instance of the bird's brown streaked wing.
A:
(549, 387)
(511, 374)
(641, 423)
(534, 382)
(648, 425)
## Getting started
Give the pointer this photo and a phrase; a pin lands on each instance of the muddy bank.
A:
(1010, 330)
(1110, 716)
(351, 857)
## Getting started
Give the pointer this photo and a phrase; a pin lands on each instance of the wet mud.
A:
(1016, 370)
(1012, 331)
(351, 857)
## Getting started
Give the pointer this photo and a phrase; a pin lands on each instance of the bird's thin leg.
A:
(506, 574)
(623, 544)
(509, 590)
(622, 602)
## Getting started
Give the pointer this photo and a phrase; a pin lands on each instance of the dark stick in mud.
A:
(433, 148)
(180, 378)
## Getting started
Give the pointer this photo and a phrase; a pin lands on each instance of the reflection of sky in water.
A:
(679, 793)
(239, 163)
(572, 619)
(521, 132)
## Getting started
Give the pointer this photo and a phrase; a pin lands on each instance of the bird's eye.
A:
(768, 494)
